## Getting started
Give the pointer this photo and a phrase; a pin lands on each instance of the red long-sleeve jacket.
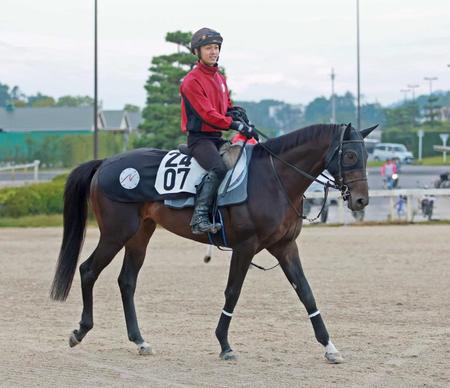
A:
(204, 100)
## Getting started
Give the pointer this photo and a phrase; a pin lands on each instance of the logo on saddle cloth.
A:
(180, 173)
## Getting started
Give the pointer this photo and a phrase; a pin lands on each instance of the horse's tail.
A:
(76, 195)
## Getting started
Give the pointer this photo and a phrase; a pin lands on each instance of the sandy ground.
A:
(384, 292)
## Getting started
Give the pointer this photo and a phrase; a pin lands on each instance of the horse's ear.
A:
(365, 132)
(347, 131)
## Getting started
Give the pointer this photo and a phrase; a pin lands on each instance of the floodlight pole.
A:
(358, 109)
(95, 85)
(333, 98)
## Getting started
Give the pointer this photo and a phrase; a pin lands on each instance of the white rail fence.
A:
(17, 167)
(412, 203)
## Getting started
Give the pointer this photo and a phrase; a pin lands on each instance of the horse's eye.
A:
(350, 158)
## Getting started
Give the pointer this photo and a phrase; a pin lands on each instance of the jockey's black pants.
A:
(205, 149)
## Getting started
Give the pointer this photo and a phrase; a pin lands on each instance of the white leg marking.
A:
(227, 313)
(330, 348)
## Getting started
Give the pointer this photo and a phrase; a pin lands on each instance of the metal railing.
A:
(14, 167)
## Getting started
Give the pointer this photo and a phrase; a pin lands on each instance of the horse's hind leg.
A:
(135, 250)
(105, 251)
(287, 255)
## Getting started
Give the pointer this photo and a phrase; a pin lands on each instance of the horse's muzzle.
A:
(359, 202)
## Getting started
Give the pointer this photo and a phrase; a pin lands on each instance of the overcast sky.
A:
(281, 49)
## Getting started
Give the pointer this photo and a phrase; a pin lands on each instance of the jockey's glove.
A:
(247, 130)
(238, 113)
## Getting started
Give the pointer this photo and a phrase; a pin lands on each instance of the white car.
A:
(385, 151)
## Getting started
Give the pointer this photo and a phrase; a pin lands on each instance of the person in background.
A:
(388, 169)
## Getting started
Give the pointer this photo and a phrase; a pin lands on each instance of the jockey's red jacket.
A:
(204, 100)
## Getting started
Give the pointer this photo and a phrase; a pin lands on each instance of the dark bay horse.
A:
(270, 219)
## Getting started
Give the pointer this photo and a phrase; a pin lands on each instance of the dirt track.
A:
(384, 293)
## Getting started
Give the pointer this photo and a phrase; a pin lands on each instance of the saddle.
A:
(229, 153)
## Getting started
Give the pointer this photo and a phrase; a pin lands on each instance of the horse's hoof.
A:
(144, 349)
(73, 341)
(334, 358)
(228, 355)
(207, 259)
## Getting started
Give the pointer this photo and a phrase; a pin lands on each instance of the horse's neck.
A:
(308, 157)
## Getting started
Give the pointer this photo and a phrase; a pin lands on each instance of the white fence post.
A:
(409, 208)
(36, 170)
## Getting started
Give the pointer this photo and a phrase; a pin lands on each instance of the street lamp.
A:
(333, 98)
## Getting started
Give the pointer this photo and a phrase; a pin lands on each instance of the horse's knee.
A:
(85, 267)
(88, 278)
(231, 294)
(127, 286)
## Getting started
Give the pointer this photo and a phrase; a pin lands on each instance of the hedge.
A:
(42, 198)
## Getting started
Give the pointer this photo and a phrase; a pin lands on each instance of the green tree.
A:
(161, 126)
(40, 101)
(131, 108)
(4, 95)
(18, 99)
(75, 101)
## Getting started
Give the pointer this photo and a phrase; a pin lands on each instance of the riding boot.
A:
(205, 196)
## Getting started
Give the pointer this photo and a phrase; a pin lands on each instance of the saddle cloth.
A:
(149, 174)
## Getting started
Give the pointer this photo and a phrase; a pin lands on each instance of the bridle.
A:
(339, 183)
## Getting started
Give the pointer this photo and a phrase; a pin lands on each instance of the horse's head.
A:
(346, 162)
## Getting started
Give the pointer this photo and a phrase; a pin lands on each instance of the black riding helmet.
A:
(205, 36)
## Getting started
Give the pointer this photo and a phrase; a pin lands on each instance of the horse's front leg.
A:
(240, 261)
(287, 255)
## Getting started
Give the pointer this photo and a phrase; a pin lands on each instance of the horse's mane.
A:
(290, 140)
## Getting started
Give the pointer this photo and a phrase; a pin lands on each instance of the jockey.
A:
(206, 111)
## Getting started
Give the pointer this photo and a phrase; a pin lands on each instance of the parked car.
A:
(396, 151)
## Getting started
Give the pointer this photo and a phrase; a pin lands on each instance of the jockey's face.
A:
(209, 54)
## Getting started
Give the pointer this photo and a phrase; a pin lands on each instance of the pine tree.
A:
(161, 126)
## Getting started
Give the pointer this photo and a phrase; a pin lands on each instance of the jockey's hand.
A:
(247, 130)
(238, 114)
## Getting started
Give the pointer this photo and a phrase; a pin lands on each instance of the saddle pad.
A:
(237, 188)
(130, 176)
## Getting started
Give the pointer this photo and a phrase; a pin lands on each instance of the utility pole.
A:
(430, 80)
(430, 99)
(95, 85)
(358, 108)
(405, 94)
(414, 109)
(333, 98)
(413, 87)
